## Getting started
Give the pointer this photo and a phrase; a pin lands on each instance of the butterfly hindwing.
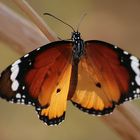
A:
(38, 79)
(88, 96)
(55, 112)
(112, 76)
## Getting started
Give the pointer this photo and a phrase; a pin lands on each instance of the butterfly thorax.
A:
(78, 46)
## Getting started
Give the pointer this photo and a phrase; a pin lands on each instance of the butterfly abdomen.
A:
(73, 80)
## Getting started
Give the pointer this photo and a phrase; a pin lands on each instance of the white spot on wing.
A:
(125, 52)
(135, 96)
(18, 101)
(18, 95)
(23, 87)
(22, 100)
(23, 96)
(38, 109)
(29, 103)
(137, 90)
(26, 55)
(14, 67)
(122, 60)
(132, 83)
(30, 63)
(38, 49)
(15, 72)
(126, 99)
(15, 85)
(135, 68)
(134, 58)
(138, 79)
(16, 62)
(134, 91)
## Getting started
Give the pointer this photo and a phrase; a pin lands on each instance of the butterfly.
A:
(94, 75)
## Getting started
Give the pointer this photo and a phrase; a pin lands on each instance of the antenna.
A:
(80, 21)
(59, 20)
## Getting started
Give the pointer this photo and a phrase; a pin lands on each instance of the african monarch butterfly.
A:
(93, 74)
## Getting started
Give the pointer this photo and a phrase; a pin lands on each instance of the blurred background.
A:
(116, 22)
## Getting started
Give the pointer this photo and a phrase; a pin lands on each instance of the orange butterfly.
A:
(94, 75)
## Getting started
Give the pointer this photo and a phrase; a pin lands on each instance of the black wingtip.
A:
(51, 122)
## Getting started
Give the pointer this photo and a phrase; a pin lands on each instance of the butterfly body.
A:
(94, 75)
(78, 46)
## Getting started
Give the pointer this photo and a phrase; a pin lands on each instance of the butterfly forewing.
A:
(107, 76)
(40, 78)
